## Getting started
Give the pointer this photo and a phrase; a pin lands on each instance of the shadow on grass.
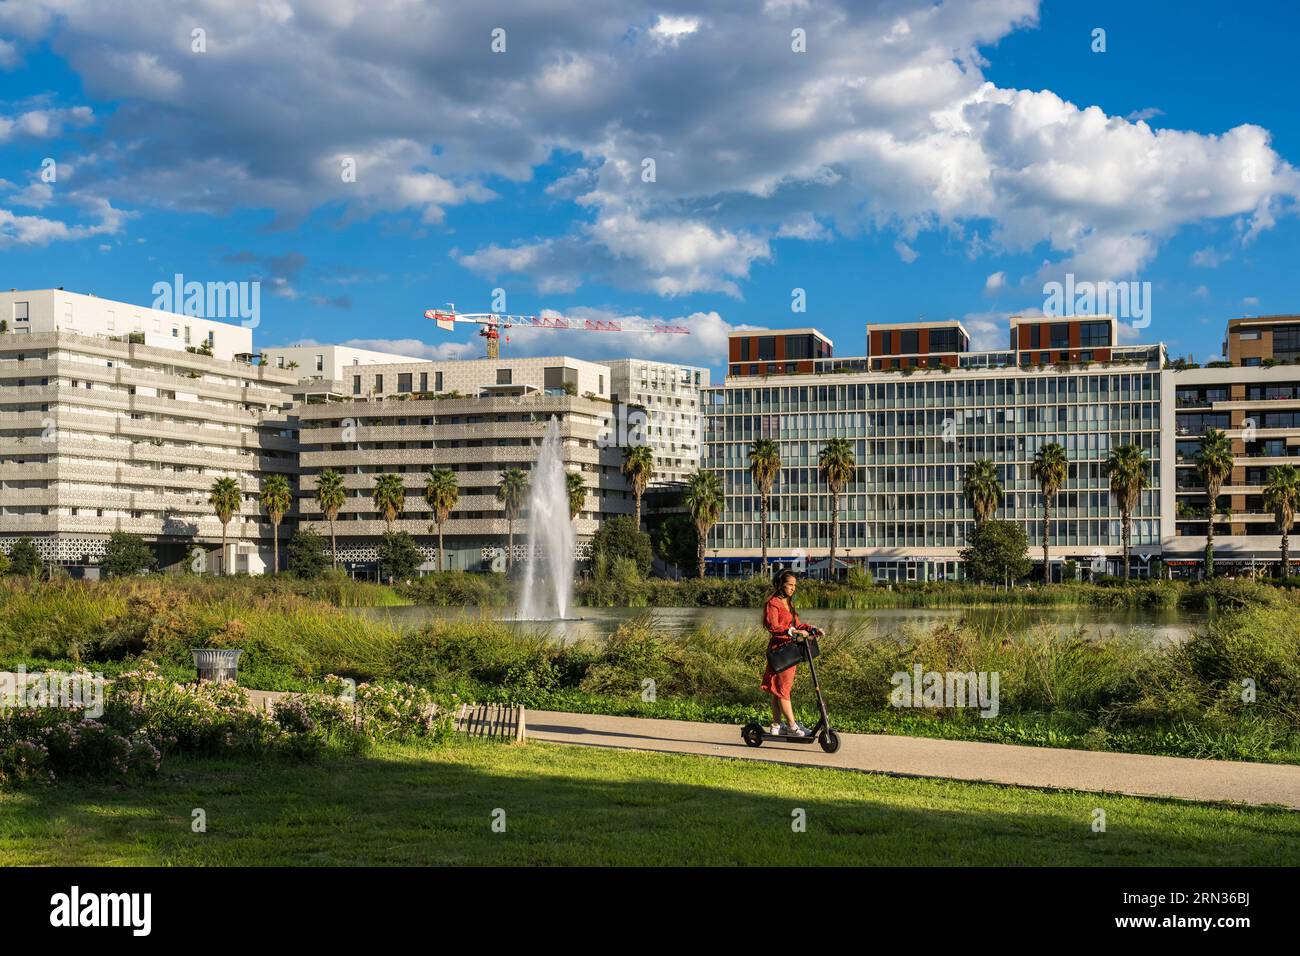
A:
(576, 805)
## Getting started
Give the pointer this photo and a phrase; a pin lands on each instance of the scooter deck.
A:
(791, 740)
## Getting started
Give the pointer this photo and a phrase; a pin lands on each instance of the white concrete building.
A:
(103, 432)
(670, 395)
(54, 310)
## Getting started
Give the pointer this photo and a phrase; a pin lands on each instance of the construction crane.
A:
(492, 324)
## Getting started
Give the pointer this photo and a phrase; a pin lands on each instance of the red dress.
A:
(778, 618)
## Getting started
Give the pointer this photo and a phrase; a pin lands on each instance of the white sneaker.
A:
(795, 731)
(777, 730)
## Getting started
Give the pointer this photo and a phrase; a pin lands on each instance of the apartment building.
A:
(669, 396)
(916, 344)
(476, 418)
(1254, 396)
(324, 370)
(117, 427)
(915, 431)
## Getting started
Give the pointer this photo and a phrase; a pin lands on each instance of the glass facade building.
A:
(904, 516)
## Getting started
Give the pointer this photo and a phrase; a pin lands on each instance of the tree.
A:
(837, 466)
(24, 558)
(1282, 497)
(126, 554)
(997, 552)
(512, 492)
(225, 499)
(1050, 469)
(619, 537)
(331, 496)
(441, 492)
(399, 558)
(1127, 470)
(983, 489)
(764, 466)
(704, 501)
(576, 487)
(389, 496)
(638, 468)
(677, 540)
(1214, 465)
(276, 499)
(304, 555)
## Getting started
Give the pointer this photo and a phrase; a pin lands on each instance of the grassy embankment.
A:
(1056, 689)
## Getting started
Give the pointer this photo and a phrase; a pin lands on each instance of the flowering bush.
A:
(147, 715)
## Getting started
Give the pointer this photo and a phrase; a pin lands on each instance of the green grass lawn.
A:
(578, 805)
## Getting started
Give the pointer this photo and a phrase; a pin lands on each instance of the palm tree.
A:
(1050, 469)
(704, 500)
(276, 499)
(1214, 465)
(1282, 494)
(225, 499)
(638, 468)
(441, 492)
(983, 489)
(511, 493)
(837, 466)
(331, 495)
(389, 497)
(1127, 470)
(576, 486)
(764, 466)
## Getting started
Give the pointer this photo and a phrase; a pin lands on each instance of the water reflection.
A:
(1158, 626)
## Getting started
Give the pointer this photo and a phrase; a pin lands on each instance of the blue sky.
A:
(915, 160)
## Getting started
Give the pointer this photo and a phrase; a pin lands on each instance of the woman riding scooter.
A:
(784, 626)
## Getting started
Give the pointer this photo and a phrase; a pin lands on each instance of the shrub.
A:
(305, 555)
(618, 537)
(399, 557)
(24, 558)
(126, 554)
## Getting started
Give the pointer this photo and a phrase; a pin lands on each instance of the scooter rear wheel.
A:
(752, 734)
(829, 740)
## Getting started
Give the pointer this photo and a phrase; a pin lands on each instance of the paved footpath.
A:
(1047, 767)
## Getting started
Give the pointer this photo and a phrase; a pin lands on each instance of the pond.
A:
(595, 622)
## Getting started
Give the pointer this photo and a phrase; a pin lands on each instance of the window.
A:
(1286, 338)
(1094, 334)
(356, 384)
(601, 380)
(320, 363)
(379, 383)
(1035, 336)
(1250, 335)
(766, 348)
(437, 381)
(279, 361)
(911, 343)
(1060, 332)
(20, 311)
(504, 376)
(403, 381)
(943, 340)
(424, 381)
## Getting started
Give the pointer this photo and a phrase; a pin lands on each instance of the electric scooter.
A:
(755, 733)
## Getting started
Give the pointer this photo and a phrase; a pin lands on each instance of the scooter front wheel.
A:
(752, 734)
(829, 740)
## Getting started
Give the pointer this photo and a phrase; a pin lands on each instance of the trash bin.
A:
(216, 664)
